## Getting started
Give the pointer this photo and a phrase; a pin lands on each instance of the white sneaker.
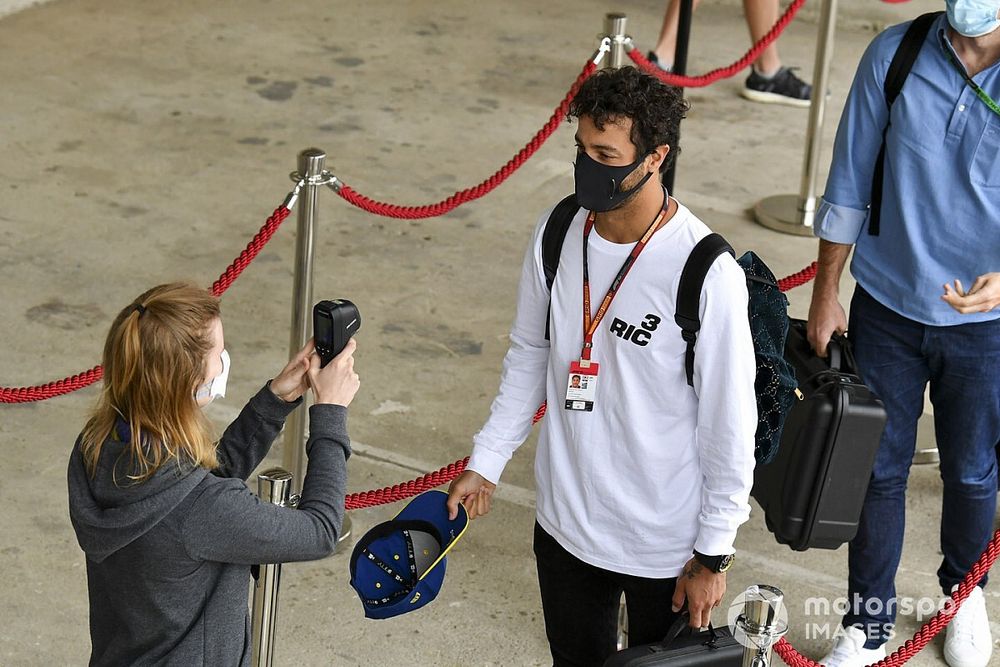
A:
(967, 641)
(850, 651)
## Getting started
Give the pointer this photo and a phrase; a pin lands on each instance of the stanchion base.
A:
(926, 456)
(622, 624)
(345, 533)
(782, 213)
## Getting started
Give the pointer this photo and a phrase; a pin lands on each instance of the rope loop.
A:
(722, 72)
(253, 248)
(476, 191)
(224, 282)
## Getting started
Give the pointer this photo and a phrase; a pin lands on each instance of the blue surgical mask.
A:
(216, 388)
(973, 18)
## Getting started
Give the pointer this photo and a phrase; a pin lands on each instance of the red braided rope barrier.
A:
(797, 279)
(539, 414)
(722, 72)
(409, 489)
(391, 494)
(51, 389)
(87, 378)
(476, 191)
(249, 253)
(928, 631)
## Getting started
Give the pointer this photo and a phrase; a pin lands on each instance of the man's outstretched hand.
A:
(472, 490)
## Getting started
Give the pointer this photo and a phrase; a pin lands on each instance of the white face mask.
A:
(217, 387)
(973, 18)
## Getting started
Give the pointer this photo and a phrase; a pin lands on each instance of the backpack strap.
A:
(689, 293)
(902, 62)
(552, 242)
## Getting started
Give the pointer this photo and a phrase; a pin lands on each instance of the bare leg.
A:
(769, 82)
(667, 43)
(761, 16)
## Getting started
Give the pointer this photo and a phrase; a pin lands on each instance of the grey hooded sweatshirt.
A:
(168, 560)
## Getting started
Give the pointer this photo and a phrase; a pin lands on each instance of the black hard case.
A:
(697, 649)
(813, 491)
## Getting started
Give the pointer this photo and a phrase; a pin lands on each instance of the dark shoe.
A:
(652, 57)
(782, 88)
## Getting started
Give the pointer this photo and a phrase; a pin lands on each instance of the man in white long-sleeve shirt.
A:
(642, 480)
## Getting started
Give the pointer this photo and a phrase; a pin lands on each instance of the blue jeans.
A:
(897, 357)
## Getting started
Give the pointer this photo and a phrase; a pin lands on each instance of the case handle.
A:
(840, 354)
(681, 624)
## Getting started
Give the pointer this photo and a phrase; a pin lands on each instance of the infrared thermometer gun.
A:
(334, 322)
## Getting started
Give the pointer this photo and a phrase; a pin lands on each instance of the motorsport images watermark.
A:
(767, 607)
(870, 611)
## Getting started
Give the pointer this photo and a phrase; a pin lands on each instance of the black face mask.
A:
(598, 186)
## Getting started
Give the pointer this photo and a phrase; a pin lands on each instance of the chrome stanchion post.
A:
(273, 486)
(614, 27)
(928, 455)
(817, 112)
(312, 176)
(761, 624)
(622, 640)
(310, 171)
(794, 214)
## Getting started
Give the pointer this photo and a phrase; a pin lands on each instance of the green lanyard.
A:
(980, 93)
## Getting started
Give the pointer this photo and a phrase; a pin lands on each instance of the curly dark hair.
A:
(655, 108)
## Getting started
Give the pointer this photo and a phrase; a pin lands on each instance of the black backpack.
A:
(899, 68)
(775, 384)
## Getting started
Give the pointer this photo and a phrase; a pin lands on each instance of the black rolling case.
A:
(683, 647)
(813, 490)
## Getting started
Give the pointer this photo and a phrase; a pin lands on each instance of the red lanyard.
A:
(590, 324)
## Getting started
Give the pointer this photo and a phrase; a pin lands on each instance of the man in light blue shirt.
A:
(939, 222)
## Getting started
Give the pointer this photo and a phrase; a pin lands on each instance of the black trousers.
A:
(580, 604)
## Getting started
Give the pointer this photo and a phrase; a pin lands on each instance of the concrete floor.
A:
(147, 141)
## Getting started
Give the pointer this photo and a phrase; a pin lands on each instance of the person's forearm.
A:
(830, 265)
(325, 484)
(246, 441)
(727, 409)
(227, 524)
(522, 390)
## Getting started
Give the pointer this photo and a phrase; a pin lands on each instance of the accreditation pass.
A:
(581, 386)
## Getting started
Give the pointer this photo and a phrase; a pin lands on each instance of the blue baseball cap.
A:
(399, 565)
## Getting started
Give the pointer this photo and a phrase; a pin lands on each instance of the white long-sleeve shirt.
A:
(658, 469)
